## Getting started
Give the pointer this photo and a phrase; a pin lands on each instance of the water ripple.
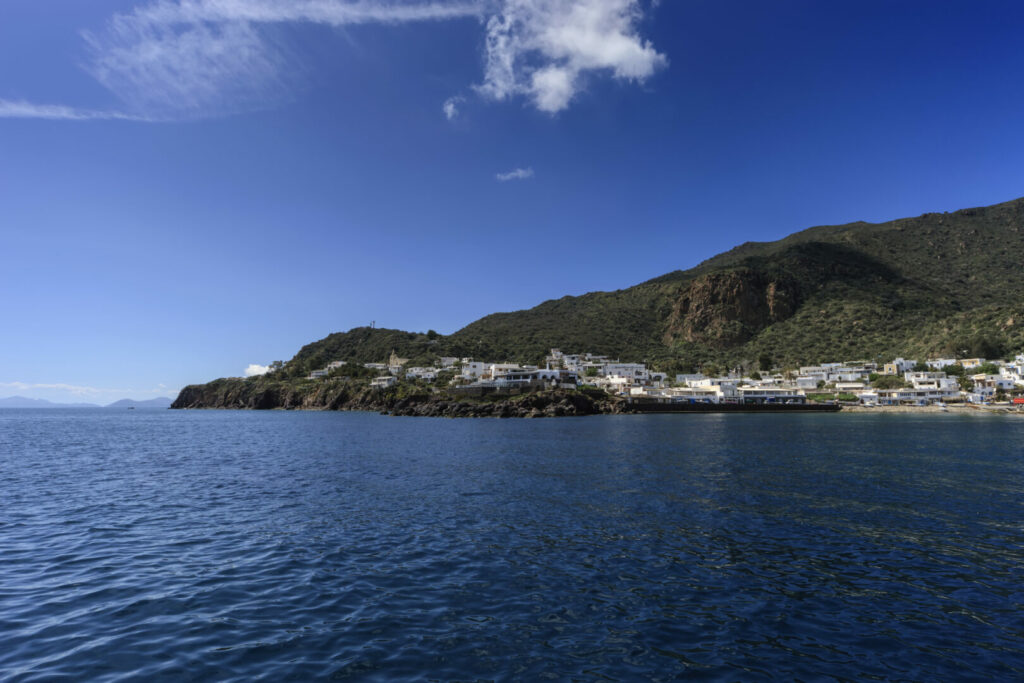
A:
(290, 546)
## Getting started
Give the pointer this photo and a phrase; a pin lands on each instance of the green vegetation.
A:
(935, 285)
(888, 382)
(821, 397)
(986, 369)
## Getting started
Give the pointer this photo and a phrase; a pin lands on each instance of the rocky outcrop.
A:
(541, 404)
(728, 308)
(337, 395)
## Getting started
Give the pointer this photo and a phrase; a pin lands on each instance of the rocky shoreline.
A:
(411, 401)
(236, 394)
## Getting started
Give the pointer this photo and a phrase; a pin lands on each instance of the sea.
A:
(292, 546)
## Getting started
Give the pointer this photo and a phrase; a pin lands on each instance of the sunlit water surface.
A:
(281, 545)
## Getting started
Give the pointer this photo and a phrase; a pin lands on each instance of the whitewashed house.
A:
(899, 366)
(425, 374)
(472, 370)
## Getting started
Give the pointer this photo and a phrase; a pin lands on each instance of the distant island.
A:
(22, 402)
(160, 402)
(939, 288)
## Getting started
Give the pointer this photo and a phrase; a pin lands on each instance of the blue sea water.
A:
(227, 545)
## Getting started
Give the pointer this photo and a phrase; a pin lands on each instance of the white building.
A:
(472, 369)
(426, 374)
(993, 382)
(915, 396)
(899, 366)
(384, 381)
(694, 394)
(1014, 371)
(749, 394)
(317, 374)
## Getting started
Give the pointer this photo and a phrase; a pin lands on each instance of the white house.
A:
(384, 381)
(694, 394)
(1014, 371)
(317, 374)
(749, 394)
(472, 369)
(917, 396)
(426, 374)
(993, 382)
(899, 366)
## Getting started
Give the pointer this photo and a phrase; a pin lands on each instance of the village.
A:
(901, 382)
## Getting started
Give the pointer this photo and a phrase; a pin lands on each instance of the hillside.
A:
(949, 283)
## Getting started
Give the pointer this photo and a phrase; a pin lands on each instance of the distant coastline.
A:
(23, 402)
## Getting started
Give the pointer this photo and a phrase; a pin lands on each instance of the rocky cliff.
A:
(729, 308)
(259, 394)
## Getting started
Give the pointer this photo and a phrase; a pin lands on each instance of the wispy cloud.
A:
(193, 58)
(451, 107)
(172, 59)
(255, 370)
(11, 109)
(517, 174)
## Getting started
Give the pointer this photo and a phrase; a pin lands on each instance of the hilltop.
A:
(937, 284)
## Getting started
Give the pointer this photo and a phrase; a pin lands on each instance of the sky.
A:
(192, 187)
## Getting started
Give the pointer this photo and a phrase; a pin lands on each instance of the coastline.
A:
(950, 409)
(411, 401)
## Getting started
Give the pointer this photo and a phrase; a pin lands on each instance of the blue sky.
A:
(189, 187)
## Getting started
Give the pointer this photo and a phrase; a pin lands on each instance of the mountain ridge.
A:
(936, 284)
(23, 402)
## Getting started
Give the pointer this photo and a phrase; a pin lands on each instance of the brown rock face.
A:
(726, 309)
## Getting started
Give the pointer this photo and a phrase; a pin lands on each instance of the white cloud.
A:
(173, 59)
(517, 174)
(451, 107)
(192, 58)
(543, 48)
(11, 109)
(255, 370)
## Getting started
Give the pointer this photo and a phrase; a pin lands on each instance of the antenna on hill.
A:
(373, 324)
